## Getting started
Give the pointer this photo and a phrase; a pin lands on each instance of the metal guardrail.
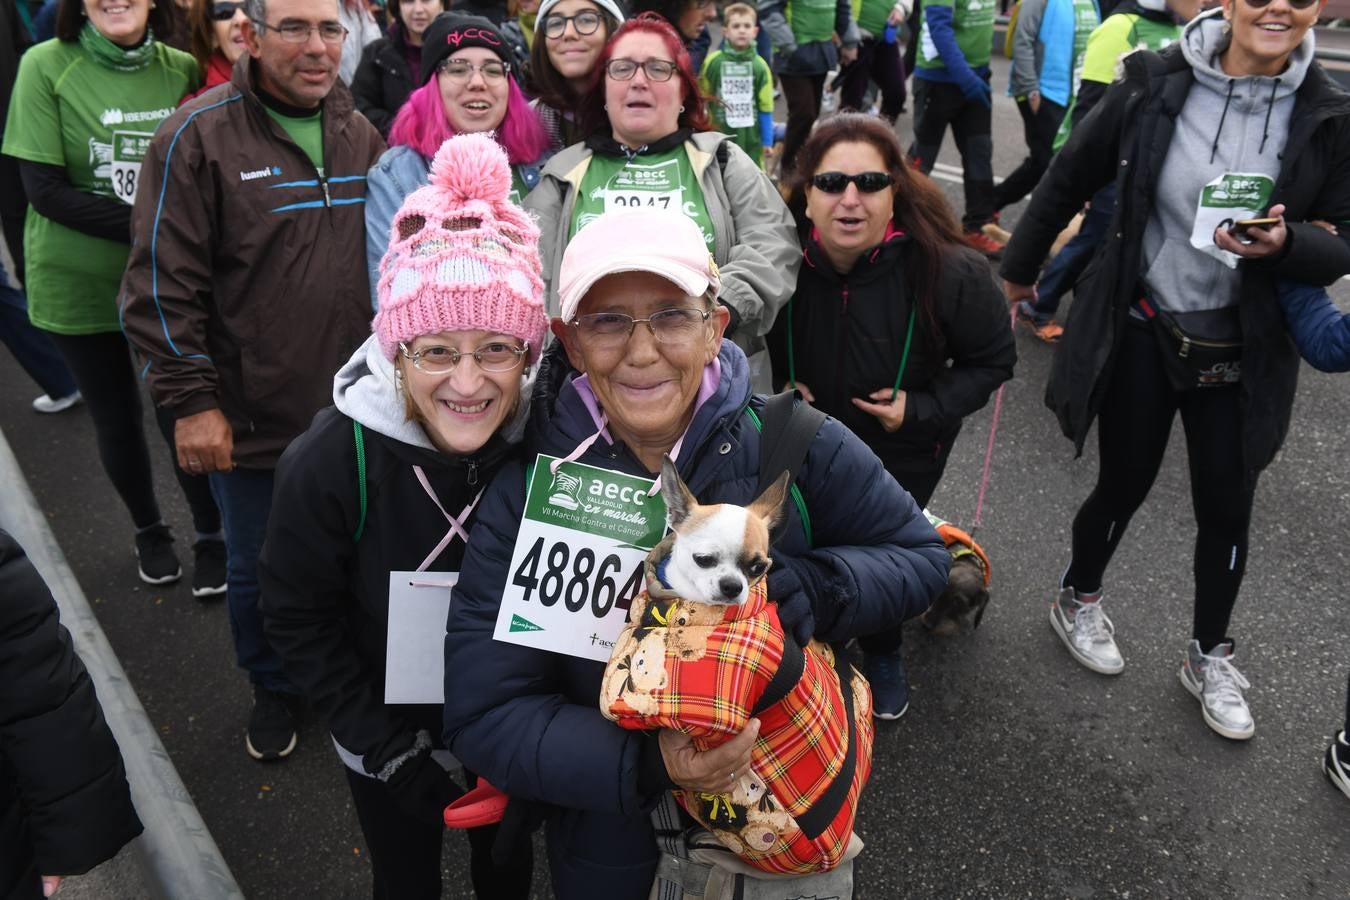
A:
(177, 855)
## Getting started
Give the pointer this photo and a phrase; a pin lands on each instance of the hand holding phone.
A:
(1240, 227)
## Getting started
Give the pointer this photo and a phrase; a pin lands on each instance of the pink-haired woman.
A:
(472, 91)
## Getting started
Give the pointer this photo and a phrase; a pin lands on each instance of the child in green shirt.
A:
(740, 82)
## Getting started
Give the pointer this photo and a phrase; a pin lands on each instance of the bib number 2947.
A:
(578, 559)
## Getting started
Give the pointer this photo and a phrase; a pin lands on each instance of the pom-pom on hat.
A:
(461, 256)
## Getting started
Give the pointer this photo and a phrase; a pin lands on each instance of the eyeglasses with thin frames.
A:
(463, 69)
(494, 357)
(677, 325)
(623, 69)
(298, 32)
(586, 22)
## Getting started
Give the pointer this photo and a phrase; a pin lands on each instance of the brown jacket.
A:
(246, 287)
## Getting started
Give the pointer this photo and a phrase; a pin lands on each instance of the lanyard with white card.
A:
(419, 603)
(578, 559)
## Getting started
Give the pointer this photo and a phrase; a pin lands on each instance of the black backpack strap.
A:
(815, 820)
(787, 430)
(785, 678)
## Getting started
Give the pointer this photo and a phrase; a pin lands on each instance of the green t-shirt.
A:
(871, 15)
(96, 122)
(659, 180)
(518, 187)
(1118, 35)
(973, 25)
(741, 81)
(811, 20)
(306, 131)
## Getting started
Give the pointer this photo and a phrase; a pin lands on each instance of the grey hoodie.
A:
(1227, 124)
(365, 389)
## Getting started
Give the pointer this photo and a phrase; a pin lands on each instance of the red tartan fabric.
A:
(701, 670)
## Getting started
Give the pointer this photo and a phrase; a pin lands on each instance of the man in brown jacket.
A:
(246, 288)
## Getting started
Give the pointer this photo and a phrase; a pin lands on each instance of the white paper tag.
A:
(414, 669)
(128, 150)
(578, 559)
(1230, 197)
(738, 94)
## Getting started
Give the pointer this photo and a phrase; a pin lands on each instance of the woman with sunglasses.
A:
(217, 40)
(375, 503)
(896, 328)
(1178, 313)
(649, 145)
(569, 36)
(392, 66)
(467, 89)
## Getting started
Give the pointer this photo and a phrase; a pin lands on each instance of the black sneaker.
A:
(208, 568)
(271, 725)
(154, 551)
(1336, 763)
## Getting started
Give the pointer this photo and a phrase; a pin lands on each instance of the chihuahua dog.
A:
(967, 591)
(703, 652)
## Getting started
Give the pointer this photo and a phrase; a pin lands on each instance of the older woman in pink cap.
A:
(641, 371)
(375, 502)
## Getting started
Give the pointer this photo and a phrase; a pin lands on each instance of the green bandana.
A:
(114, 57)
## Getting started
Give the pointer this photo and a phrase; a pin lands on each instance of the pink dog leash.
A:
(989, 448)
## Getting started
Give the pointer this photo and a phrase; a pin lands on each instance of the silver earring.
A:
(681, 109)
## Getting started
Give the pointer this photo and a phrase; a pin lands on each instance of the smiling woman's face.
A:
(478, 104)
(641, 110)
(1264, 36)
(647, 389)
(120, 21)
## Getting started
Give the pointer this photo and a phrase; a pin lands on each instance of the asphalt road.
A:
(1016, 771)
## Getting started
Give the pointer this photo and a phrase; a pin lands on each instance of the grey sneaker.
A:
(1087, 632)
(1218, 685)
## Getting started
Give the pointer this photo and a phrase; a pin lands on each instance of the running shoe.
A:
(1336, 763)
(208, 568)
(271, 725)
(157, 563)
(1047, 330)
(1218, 685)
(1087, 632)
(996, 232)
(890, 687)
(48, 404)
(984, 243)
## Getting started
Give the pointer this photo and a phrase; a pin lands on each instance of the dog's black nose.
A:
(730, 587)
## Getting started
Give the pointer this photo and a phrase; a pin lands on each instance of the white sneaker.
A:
(1087, 632)
(45, 403)
(1218, 685)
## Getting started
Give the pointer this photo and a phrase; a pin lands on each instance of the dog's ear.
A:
(679, 501)
(981, 601)
(769, 505)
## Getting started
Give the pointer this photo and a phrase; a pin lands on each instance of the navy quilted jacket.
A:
(528, 720)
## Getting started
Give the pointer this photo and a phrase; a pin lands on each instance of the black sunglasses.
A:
(1296, 4)
(867, 182)
(223, 12)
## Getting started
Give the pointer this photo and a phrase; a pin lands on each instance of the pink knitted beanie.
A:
(461, 257)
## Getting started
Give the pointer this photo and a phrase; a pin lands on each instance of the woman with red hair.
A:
(648, 144)
(472, 91)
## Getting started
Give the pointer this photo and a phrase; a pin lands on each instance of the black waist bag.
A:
(1200, 349)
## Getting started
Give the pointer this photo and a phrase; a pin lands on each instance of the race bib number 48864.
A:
(578, 558)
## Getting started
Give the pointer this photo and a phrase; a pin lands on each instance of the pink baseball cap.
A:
(636, 240)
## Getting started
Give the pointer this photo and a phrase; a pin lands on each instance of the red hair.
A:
(422, 124)
(594, 119)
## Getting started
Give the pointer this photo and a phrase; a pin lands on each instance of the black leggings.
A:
(405, 853)
(103, 370)
(1132, 431)
(802, 93)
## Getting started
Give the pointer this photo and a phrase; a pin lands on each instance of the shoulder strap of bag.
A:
(360, 478)
(786, 431)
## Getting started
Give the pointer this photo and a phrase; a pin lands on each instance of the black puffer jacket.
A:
(325, 597)
(382, 81)
(65, 805)
(1125, 139)
(848, 336)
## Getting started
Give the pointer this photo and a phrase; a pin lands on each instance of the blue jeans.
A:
(1073, 257)
(245, 498)
(33, 349)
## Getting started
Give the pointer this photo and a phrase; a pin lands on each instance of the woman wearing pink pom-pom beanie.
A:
(374, 505)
